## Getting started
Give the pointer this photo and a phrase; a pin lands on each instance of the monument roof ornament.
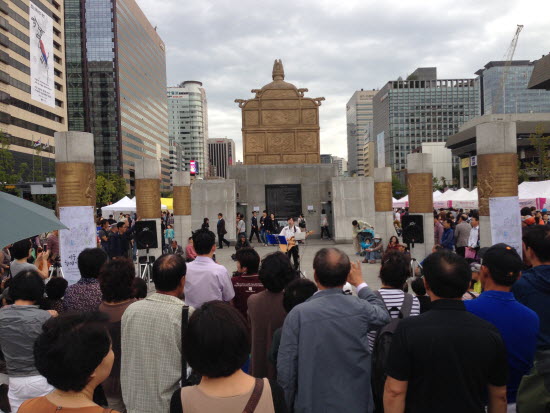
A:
(278, 70)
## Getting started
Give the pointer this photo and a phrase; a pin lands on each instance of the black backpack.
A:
(381, 350)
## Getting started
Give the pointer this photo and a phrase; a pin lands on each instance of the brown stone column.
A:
(383, 204)
(76, 197)
(497, 175)
(148, 197)
(182, 207)
(420, 187)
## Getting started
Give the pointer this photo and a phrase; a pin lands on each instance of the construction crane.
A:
(508, 57)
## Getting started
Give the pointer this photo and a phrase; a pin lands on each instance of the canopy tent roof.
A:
(127, 205)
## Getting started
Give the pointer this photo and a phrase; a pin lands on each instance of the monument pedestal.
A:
(182, 207)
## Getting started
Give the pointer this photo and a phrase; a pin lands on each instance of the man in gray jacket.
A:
(324, 363)
(462, 234)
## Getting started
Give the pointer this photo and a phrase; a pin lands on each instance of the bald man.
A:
(318, 329)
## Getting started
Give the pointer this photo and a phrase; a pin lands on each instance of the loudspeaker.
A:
(413, 229)
(146, 235)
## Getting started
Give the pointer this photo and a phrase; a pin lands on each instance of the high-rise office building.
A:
(420, 109)
(221, 154)
(369, 151)
(188, 123)
(116, 84)
(32, 82)
(326, 158)
(514, 97)
(342, 165)
(359, 115)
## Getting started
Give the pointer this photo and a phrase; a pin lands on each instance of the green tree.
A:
(399, 190)
(109, 188)
(541, 144)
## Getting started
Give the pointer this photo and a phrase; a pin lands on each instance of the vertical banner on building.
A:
(380, 150)
(80, 235)
(41, 56)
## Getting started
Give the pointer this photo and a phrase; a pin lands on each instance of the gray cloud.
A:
(334, 47)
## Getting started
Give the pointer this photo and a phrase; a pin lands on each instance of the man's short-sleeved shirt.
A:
(518, 326)
(206, 281)
(448, 357)
(17, 267)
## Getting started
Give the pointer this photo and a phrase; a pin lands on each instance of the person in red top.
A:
(247, 281)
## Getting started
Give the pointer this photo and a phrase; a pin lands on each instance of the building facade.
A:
(116, 85)
(32, 83)
(359, 118)
(188, 123)
(410, 112)
(326, 158)
(221, 155)
(514, 97)
(342, 165)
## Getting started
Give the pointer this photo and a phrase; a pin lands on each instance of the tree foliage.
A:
(541, 144)
(399, 190)
(109, 188)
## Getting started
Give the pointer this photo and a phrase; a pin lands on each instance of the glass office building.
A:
(514, 97)
(421, 109)
(359, 117)
(188, 123)
(116, 83)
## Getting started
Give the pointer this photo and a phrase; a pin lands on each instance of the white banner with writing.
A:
(80, 235)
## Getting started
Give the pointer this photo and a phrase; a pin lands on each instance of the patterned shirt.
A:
(151, 353)
(84, 296)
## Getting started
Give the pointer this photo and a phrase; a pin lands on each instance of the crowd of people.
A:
(473, 336)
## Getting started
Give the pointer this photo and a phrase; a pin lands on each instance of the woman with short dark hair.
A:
(20, 325)
(115, 280)
(74, 354)
(394, 271)
(216, 346)
(266, 312)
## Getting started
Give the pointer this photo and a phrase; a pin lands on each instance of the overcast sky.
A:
(334, 48)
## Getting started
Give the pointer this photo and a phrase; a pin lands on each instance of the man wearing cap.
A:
(518, 325)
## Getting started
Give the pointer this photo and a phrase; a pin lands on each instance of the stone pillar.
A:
(76, 197)
(461, 176)
(470, 176)
(420, 186)
(148, 196)
(182, 207)
(383, 204)
(497, 174)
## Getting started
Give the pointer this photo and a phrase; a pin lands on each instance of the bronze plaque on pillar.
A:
(420, 193)
(497, 176)
(382, 197)
(75, 182)
(182, 200)
(148, 198)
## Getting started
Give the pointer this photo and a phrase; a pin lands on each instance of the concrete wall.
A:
(210, 197)
(352, 198)
(315, 180)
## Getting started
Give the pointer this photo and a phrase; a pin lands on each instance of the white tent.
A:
(124, 205)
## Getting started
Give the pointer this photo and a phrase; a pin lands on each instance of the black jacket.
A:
(254, 222)
(221, 227)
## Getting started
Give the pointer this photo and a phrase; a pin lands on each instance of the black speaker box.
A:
(146, 235)
(413, 229)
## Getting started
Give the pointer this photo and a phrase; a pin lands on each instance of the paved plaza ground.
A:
(307, 252)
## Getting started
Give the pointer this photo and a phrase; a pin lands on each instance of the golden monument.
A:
(280, 125)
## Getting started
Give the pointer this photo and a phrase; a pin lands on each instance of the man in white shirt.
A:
(206, 280)
(289, 232)
(473, 239)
